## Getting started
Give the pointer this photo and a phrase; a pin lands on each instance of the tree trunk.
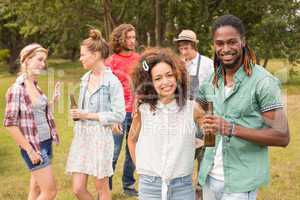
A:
(157, 23)
(109, 24)
(148, 39)
(73, 54)
(266, 59)
(13, 66)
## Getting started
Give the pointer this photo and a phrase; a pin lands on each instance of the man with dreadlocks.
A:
(248, 117)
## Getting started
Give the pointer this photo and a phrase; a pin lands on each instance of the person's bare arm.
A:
(79, 114)
(24, 144)
(55, 96)
(277, 134)
(133, 134)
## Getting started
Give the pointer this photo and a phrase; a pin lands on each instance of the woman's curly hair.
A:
(118, 37)
(142, 79)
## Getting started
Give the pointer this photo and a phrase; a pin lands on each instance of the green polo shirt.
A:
(245, 163)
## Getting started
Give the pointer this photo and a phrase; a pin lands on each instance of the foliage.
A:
(272, 26)
(10, 37)
(60, 24)
(4, 54)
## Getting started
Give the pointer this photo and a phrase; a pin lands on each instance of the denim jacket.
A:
(107, 100)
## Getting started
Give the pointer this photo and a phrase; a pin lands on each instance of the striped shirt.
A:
(19, 113)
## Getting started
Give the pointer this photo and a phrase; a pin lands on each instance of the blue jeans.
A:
(213, 189)
(150, 188)
(128, 168)
(46, 154)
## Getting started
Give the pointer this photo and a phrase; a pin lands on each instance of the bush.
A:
(4, 54)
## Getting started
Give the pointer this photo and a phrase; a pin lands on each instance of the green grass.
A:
(14, 177)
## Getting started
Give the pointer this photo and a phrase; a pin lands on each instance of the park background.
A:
(272, 31)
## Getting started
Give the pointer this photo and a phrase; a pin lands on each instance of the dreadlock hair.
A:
(249, 58)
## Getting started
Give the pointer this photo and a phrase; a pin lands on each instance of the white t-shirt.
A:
(206, 68)
(217, 171)
(166, 144)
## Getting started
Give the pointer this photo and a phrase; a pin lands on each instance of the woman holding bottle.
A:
(101, 104)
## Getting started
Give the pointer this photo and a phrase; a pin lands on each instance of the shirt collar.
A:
(105, 82)
(86, 76)
(238, 76)
(195, 60)
(172, 106)
(21, 79)
(128, 54)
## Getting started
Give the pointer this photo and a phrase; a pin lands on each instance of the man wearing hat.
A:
(200, 68)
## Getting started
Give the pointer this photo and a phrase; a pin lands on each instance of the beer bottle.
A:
(73, 105)
(209, 138)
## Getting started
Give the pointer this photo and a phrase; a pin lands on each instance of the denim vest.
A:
(107, 100)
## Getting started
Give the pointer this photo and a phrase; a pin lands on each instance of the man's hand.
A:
(215, 125)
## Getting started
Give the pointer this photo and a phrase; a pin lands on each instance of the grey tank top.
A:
(39, 112)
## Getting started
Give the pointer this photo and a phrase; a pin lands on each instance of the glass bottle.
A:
(209, 138)
(73, 105)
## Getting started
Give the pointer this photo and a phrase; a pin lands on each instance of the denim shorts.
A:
(150, 188)
(46, 154)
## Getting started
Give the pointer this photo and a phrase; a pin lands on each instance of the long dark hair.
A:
(249, 58)
(142, 79)
(118, 37)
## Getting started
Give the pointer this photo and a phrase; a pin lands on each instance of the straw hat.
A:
(187, 35)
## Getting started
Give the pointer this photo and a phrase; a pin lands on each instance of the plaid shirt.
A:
(19, 113)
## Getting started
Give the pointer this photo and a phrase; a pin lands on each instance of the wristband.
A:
(231, 130)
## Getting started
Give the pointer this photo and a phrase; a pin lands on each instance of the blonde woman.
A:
(101, 104)
(29, 120)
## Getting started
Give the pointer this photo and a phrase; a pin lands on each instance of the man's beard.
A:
(232, 65)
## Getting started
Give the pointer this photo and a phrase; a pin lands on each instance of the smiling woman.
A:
(163, 128)
(164, 80)
(33, 59)
(29, 120)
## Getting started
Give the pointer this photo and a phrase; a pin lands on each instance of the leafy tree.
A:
(272, 26)
(9, 34)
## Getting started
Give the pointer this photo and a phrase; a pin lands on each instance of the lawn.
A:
(14, 177)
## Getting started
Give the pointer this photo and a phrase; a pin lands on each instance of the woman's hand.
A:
(199, 143)
(56, 93)
(78, 114)
(117, 129)
(34, 156)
